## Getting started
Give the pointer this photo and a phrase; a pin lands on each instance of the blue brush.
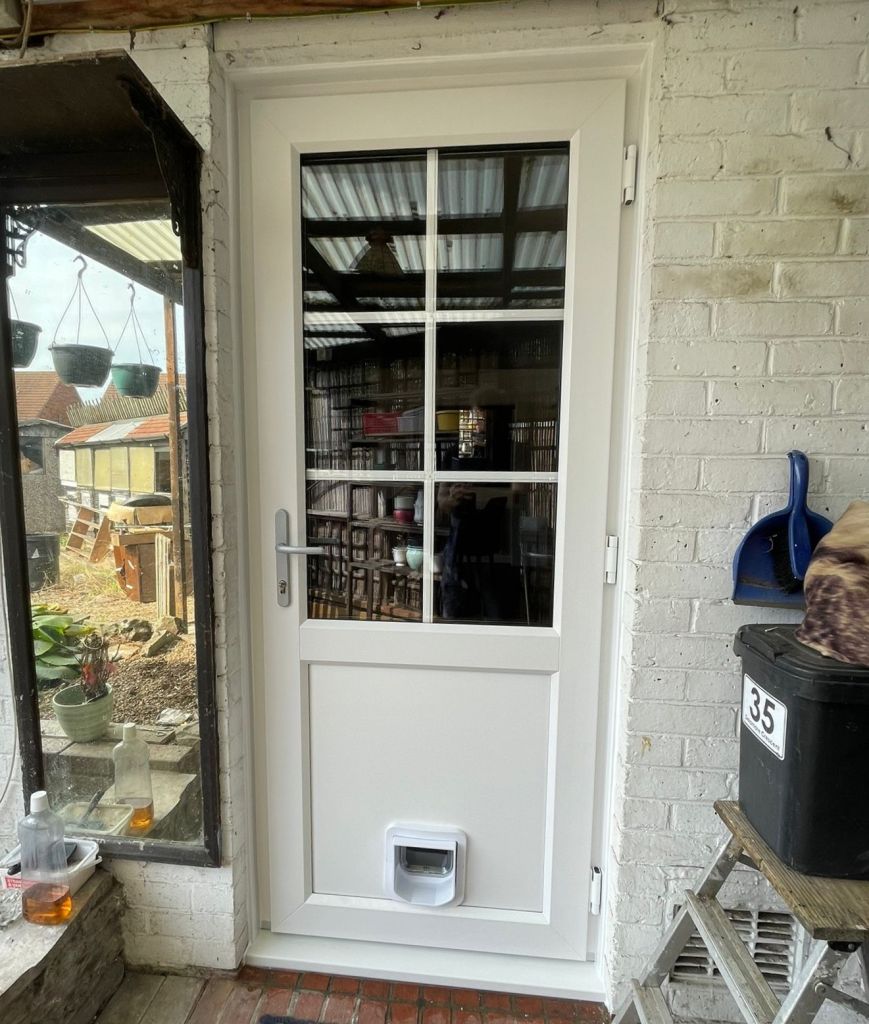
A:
(771, 562)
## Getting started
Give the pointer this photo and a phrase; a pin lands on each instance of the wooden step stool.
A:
(89, 534)
(834, 913)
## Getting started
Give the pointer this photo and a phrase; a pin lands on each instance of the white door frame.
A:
(256, 85)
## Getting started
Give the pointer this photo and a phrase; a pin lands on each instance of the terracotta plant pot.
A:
(25, 337)
(82, 722)
(135, 380)
(83, 366)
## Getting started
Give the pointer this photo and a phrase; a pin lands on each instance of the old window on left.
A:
(105, 521)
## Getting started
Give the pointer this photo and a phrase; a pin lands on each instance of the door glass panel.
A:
(502, 220)
(497, 393)
(364, 389)
(494, 553)
(432, 394)
(372, 534)
(363, 224)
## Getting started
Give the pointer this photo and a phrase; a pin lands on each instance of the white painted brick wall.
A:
(776, 329)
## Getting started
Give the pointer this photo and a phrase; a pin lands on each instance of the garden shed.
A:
(105, 462)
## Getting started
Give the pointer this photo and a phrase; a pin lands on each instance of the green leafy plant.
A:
(56, 640)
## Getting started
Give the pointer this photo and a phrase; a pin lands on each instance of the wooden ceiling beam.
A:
(52, 16)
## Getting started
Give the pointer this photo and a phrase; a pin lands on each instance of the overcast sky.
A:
(43, 287)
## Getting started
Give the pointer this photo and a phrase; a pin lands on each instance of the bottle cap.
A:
(38, 801)
(129, 730)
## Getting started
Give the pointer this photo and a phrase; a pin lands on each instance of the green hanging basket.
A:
(82, 366)
(136, 380)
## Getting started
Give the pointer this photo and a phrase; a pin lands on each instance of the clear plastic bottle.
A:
(133, 779)
(45, 897)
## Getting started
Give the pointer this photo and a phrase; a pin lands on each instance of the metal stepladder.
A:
(834, 912)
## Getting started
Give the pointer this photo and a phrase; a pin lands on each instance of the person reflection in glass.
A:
(480, 581)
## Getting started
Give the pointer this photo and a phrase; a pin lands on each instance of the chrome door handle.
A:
(291, 549)
(283, 550)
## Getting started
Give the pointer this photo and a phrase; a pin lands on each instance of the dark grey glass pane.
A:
(502, 219)
(494, 553)
(372, 533)
(364, 396)
(363, 233)
(497, 396)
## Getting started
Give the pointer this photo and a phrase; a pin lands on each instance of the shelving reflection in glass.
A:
(374, 571)
(364, 394)
(502, 380)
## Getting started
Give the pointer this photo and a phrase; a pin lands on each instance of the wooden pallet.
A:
(90, 534)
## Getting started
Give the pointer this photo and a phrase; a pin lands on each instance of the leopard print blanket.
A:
(837, 590)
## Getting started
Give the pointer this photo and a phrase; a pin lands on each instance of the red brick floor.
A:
(147, 998)
(338, 1000)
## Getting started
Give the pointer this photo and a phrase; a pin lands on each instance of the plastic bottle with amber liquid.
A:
(133, 779)
(45, 896)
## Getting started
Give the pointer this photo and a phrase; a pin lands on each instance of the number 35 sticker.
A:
(764, 716)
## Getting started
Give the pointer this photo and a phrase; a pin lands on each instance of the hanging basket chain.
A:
(11, 295)
(76, 296)
(138, 331)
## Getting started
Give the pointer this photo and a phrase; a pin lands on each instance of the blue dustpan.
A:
(771, 562)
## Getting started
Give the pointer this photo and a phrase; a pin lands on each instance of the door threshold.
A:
(563, 979)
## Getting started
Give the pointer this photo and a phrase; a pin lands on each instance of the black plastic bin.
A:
(804, 753)
(43, 559)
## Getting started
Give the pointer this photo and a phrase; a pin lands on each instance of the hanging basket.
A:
(25, 337)
(135, 380)
(83, 366)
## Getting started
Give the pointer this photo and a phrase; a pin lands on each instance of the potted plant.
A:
(84, 709)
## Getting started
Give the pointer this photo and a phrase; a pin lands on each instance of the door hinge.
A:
(611, 560)
(595, 890)
(629, 175)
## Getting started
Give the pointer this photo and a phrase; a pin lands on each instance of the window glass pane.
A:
(502, 219)
(372, 565)
(109, 538)
(364, 392)
(497, 396)
(494, 553)
(363, 232)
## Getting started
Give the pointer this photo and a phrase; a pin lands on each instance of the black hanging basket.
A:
(135, 380)
(83, 366)
(25, 337)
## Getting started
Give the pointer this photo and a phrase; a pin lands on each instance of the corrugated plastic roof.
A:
(151, 241)
(151, 428)
(468, 186)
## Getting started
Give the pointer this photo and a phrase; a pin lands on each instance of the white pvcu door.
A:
(431, 295)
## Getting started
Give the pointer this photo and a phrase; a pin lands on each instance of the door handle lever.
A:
(292, 549)
(283, 550)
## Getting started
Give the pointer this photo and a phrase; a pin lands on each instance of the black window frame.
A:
(169, 147)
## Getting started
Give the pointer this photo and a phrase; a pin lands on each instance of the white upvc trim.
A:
(494, 476)
(562, 979)
(383, 476)
(477, 476)
(572, 65)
